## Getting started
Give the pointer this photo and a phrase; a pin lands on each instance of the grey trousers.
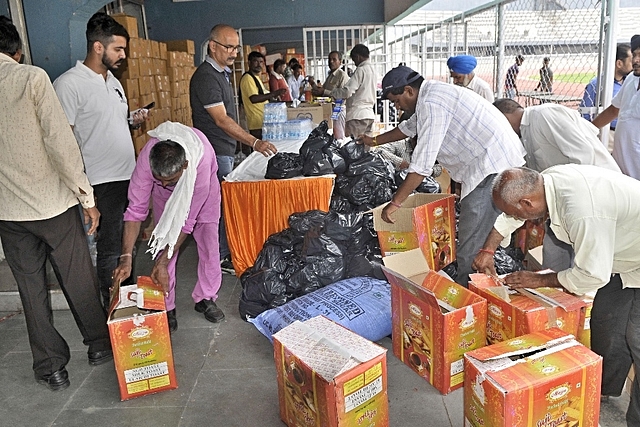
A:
(556, 255)
(477, 216)
(27, 245)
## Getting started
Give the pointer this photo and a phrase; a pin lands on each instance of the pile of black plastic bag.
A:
(320, 248)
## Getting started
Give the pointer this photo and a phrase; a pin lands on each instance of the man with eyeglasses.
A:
(97, 110)
(213, 112)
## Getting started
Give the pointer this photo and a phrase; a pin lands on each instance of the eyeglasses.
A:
(227, 47)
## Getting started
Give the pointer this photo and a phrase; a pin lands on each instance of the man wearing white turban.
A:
(462, 72)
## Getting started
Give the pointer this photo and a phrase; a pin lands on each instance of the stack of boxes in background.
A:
(157, 72)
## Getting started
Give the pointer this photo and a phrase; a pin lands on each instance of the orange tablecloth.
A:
(254, 210)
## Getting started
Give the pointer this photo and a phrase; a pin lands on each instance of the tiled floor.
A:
(225, 371)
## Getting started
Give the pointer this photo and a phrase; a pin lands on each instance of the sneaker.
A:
(227, 266)
(172, 320)
(211, 311)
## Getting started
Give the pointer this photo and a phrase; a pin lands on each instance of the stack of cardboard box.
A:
(156, 72)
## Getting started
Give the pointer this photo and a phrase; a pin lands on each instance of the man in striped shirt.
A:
(467, 135)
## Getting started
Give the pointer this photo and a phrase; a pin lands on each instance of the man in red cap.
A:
(462, 68)
(468, 136)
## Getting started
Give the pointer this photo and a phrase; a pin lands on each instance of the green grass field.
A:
(583, 78)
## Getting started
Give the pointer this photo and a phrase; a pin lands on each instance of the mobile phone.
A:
(149, 106)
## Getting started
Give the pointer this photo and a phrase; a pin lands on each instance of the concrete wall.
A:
(56, 28)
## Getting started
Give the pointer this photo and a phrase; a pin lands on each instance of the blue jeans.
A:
(225, 166)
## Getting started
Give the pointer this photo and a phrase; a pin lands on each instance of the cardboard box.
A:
(584, 326)
(140, 339)
(434, 320)
(533, 259)
(306, 111)
(425, 221)
(130, 23)
(329, 376)
(131, 88)
(513, 313)
(542, 379)
(529, 236)
(182, 46)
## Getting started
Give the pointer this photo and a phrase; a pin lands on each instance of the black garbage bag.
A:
(319, 271)
(505, 263)
(339, 203)
(451, 269)
(428, 184)
(352, 228)
(337, 160)
(352, 151)
(315, 152)
(320, 244)
(284, 165)
(260, 287)
(302, 222)
(365, 191)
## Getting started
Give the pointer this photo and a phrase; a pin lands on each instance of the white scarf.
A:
(176, 210)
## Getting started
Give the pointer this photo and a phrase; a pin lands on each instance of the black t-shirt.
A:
(209, 87)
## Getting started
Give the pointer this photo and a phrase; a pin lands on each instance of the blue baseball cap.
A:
(398, 77)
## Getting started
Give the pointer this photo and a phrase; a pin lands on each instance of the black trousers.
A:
(609, 317)
(112, 201)
(27, 245)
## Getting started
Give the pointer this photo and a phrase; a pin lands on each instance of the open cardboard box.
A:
(329, 376)
(140, 339)
(513, 313)
(546, 378)
(425, 221)
(434, 320)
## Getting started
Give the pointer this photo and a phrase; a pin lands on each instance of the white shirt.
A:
(482, 88)
(596, 211)
(553, 134)
(98, 111)
(468, 136)
(556, 135)
(360, 92)
(626, 147)
(294, 87)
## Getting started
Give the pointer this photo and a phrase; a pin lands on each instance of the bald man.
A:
(596, 211)
(214, 113)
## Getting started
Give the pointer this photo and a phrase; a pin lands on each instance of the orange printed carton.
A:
(512, 313)
(434, 320)
(140, 339)
(329, 376)
(584, 326)
(425, 221)
(543, 379)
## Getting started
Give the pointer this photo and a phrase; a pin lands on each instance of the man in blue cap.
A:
(462, 72)
(468, 136)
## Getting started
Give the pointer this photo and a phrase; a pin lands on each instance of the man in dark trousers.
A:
(214, 113)
(41, 183)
